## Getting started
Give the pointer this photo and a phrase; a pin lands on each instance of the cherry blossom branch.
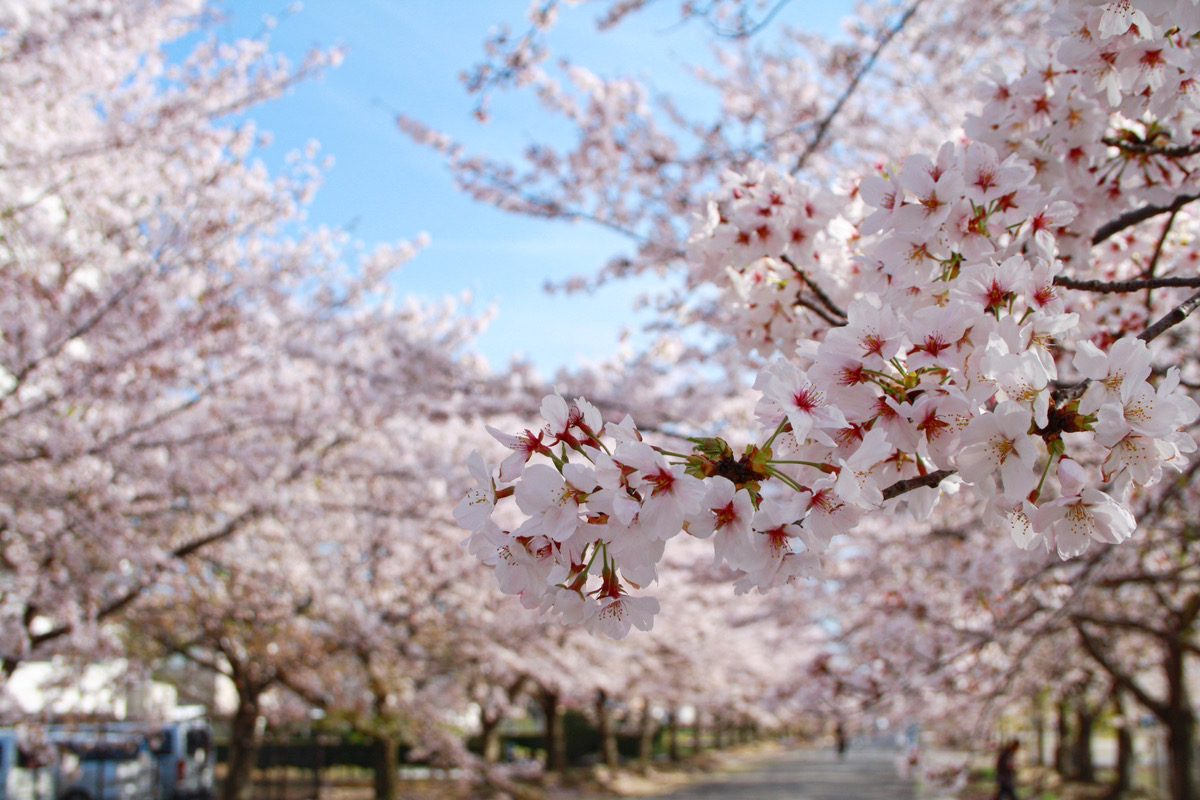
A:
(1143, 148)
(1131, 218)
(825, 299)
(1171, 318)
(1126, 681)
(1180, 639)
(1064, 394)
(1119, 287)
(746, 29)
(131, 594)
(823, 126)
(901, 487)
(813, 307)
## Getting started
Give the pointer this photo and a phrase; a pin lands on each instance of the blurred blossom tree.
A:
(178, 352)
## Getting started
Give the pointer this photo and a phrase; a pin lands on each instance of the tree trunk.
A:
(645, 736)
(489, 734)
(1084, 767)
(1123, 781)
(387, 767)
(608, 735)
(243, 745)
(672, 736)
(1039, 726)
(1062, 764)
(1181, 737)
(556, 751)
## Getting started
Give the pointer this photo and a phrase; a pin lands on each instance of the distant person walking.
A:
(842, 743)
(1006, 771)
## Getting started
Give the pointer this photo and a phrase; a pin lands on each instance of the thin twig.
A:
(825, 299)
(1159, 245)
(744, 30)
(1065, 394)
(1175, 316)
(823, 127)
(820, 312)
(1152, 267)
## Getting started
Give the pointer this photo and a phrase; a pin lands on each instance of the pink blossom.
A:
(1081, 515)
(552, 500)
(668, 494)
(788, 394)
(1001, 441)
(475, 509)
(616, 614)
(856, 482)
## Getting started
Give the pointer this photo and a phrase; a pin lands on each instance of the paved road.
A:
(807, 775)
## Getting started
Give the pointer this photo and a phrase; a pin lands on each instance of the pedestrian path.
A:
(807, 775)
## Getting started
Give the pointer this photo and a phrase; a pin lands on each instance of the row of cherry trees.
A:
(226, 436)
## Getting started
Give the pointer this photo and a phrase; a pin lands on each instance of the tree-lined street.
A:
(910, 444)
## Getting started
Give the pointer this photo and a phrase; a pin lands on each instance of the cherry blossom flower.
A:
(1081, 514)
(524, 446)
(778, 551)
(856, 483)
(1114, 374)
(668, 493)
(527, 567)
(826, 516)
(568, 606)
(1023, 379)
(475, 509)
(615, 615)
(1017, 520)
(872, 335)
(552, 500)
(727, 514)
(1001, 441)
(786, 393)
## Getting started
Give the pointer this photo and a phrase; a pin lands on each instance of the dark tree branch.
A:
(1137, 625)
(1118, 287)
(1131, 218)
(1152, 267)
(1065, 394)
(1144, 148)
(900, 487)
(820, 312)
(825, 299)
(1172, 318)
(131, 594)
(1126, 681)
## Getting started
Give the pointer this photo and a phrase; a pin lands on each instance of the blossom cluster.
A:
(595, 527)
(1098, 118)
(772, 244)
(957, 365)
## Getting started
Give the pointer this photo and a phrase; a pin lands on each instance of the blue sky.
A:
(406, 56)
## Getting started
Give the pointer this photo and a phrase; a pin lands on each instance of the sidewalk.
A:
(770, 773)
